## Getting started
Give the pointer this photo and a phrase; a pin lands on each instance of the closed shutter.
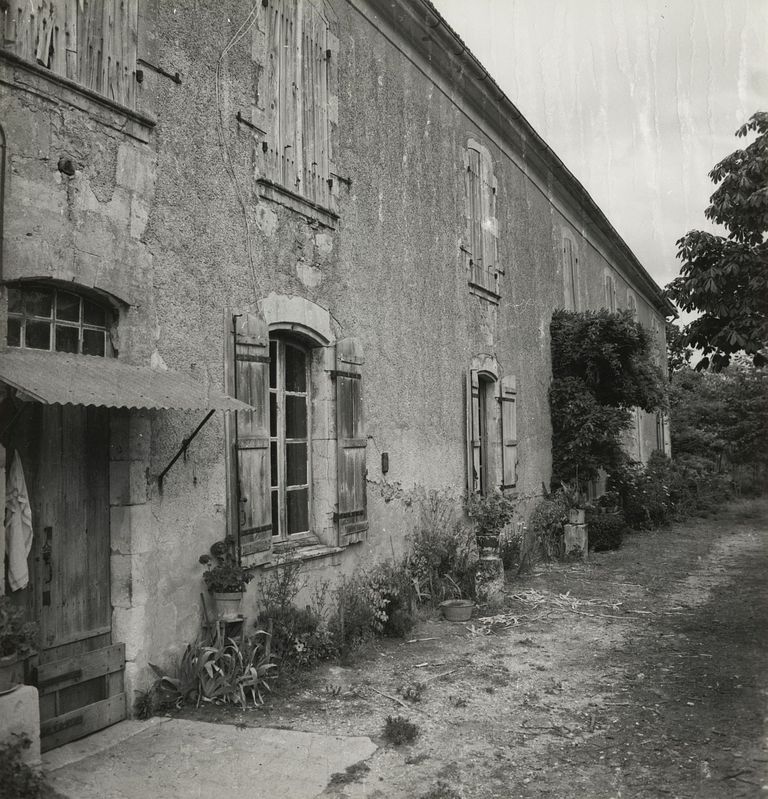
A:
(568, 275)
(352, 512)
(509, 431)
(475, 215)
(252, 467)
(474, 432)
(610, 293)
(489, 225)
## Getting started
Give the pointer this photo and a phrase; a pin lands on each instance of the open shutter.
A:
(568, 276)
(509, 431)
(489, 225)
(474, 214)
(352, 512)
(473, 432)
(251, 373)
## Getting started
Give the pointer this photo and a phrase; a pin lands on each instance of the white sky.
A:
(639, 98)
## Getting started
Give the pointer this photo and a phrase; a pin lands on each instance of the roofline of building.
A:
(484, 82)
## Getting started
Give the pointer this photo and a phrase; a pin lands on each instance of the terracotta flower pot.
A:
(228, 606)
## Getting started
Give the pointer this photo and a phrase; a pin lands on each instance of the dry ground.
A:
(640, 674)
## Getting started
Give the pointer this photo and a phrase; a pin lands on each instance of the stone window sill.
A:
(282, 196)
(484, 293)
(35, 79)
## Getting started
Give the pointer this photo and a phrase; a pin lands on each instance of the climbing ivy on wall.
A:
(602, 367)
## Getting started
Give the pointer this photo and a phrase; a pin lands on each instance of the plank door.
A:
(79, 674)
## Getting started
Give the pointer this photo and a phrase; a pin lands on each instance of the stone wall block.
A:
(130, 437)
(128, 627)
(127, 482)
(131, 529)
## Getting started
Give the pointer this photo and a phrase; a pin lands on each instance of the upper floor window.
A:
(43, 318)
(300, 53)
(570, 276)
(481, 241)
(632, 303)
(609, 289)
(92, 42)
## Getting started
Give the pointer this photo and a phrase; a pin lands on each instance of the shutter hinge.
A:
(334, 373)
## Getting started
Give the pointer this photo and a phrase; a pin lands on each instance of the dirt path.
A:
(641, 674)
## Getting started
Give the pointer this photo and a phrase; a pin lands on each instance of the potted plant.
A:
(225, 578)
(490, 513)
(18, 641)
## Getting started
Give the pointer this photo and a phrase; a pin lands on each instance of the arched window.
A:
(46, 318)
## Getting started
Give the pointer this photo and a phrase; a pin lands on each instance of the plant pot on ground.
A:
(225, 578)
(18, 640)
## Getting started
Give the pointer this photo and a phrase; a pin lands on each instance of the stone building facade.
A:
(325, 209)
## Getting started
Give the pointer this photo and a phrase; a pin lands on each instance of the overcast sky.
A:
(639, 98)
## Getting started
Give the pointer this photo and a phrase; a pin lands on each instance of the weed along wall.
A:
(361, 238)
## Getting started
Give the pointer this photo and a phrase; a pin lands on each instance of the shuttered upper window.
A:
(92, 42)
(300, 54)
(570, 276)
(481, 241)
(609, 289)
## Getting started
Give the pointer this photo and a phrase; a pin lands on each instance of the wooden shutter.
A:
(489, 225)
(610, 293)
(509, 431)
(568, 276)
(474, 444)
(252, 466)
(475, 214)
(352, 512)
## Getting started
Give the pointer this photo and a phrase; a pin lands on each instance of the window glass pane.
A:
(273, 364)
(38, 335)
(39, 302)
(94, 342)
(273, 461)
(67, 307)
(94, 314)
(295, 417)
(298, 510)
(14, 333)
(15, 301)
(275, 515)
(67, 338)
(272, 414)
(296, 464)
(295, 369)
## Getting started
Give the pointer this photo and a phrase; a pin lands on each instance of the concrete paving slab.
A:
(198, 760)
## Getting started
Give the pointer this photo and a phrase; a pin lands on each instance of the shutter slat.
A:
(251, 367)
(352, 513)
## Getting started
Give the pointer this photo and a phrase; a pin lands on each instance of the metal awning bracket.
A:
(184, 446)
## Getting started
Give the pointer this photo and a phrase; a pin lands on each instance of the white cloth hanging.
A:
(18, 526)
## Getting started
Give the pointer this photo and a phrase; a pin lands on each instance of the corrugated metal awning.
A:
(56, 378)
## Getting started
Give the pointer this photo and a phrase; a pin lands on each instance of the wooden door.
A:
(79, 672)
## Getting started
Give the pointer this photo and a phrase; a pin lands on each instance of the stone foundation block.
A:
(20, 714)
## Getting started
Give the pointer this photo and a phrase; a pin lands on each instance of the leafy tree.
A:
(602, 367)
(725, 279)
(678, 352)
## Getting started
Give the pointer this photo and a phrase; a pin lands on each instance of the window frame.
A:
(54, 321)
(279, 485)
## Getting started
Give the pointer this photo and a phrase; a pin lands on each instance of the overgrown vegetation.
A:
(602, 367)
(17, 779)
(606, 530)
(399, 730)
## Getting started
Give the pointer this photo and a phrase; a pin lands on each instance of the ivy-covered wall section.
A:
(602, 368)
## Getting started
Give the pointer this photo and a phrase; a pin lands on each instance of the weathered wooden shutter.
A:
(315, 53)
(489, 225)
(352, 512)
(610, 293)
(474, 443)
(251, 373)
(509, 431)
(475, 214)
(568, 275)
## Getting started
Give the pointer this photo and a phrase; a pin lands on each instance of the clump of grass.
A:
(413, 692)
(398, 730)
